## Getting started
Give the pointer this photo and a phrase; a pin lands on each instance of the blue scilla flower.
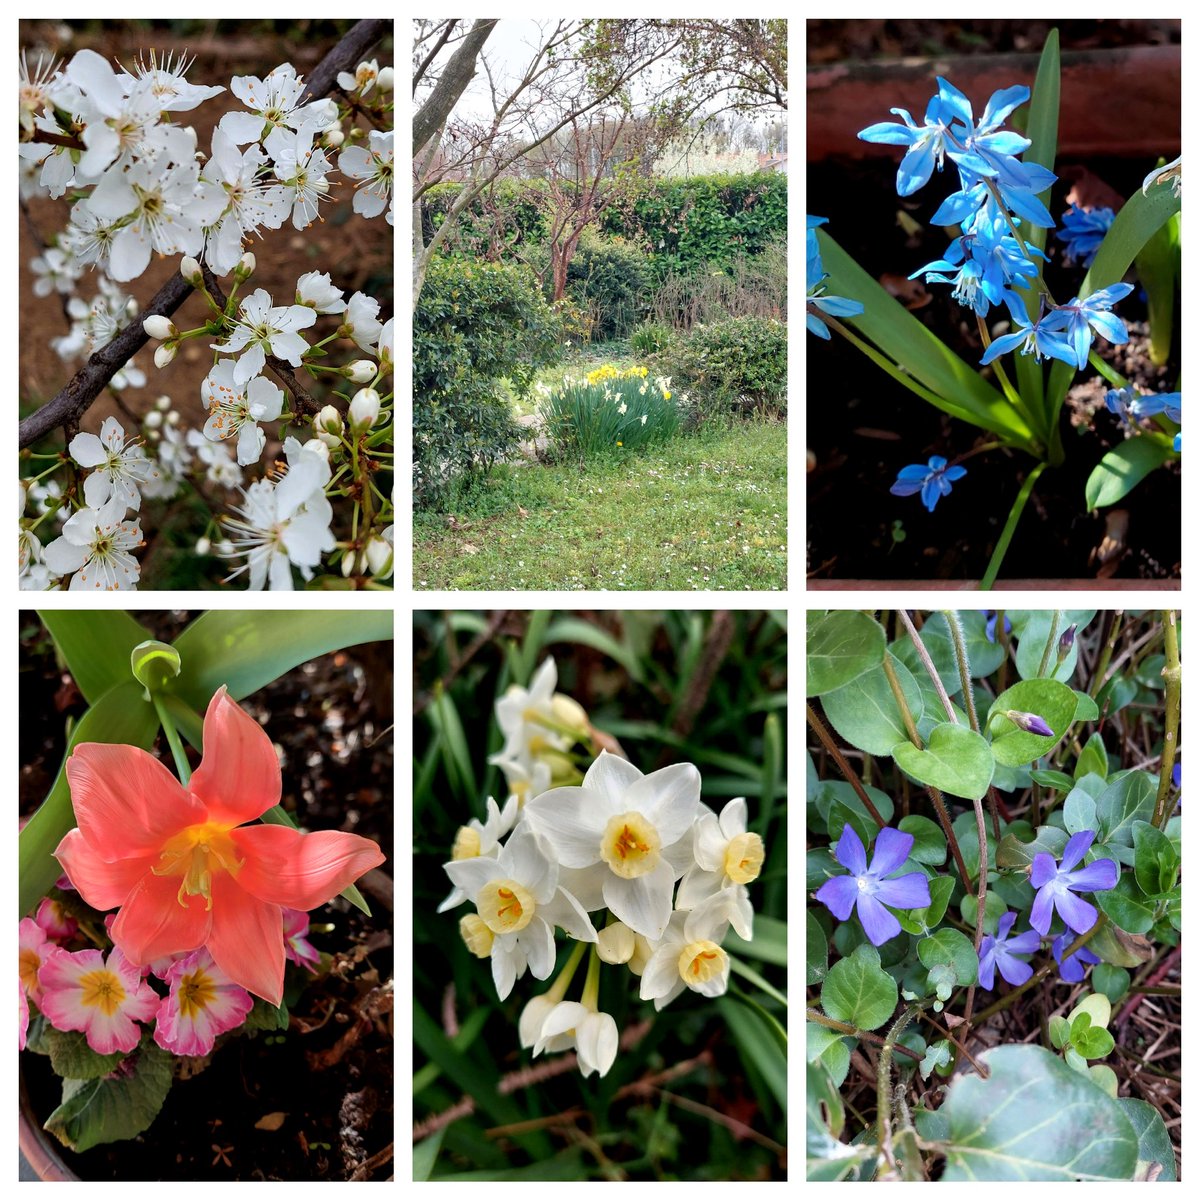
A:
(835, 306)
(1042, 338)
(1018, 189)
(1082, 232)
(1080, 318)
(1130, 406)
(932, 480)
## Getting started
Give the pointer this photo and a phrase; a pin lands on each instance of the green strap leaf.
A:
(95, 645)
(1123, 468)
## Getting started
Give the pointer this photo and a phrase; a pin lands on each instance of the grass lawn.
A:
(705, 511)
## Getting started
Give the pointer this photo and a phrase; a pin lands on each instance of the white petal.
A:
(471, 874)
(566, 912)
(88, 450)
(669, 799)
(597, 1040)
(570, 820)
(612, 777)
(537, 940)
(564, 1017)
(696, 887)
(504, 969)
(644, 903)
(709, 843)
(524, 860)
(733, 818)
(660, 972)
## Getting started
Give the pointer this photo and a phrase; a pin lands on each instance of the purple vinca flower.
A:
(990, 625)
(1029, 722)
(1000, 953)
(1071, 971)
(1057, 885)
(869, 887)
(932, 481)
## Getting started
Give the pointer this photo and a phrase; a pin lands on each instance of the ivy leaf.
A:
(1034, 1119)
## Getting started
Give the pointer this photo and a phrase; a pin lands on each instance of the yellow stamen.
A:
(630, 845)
(101, 989)
(197, 853)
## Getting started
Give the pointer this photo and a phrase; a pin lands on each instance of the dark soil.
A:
(863, 426)
(331, 1071)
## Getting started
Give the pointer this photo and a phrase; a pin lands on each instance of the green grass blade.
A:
(758, 1042)
(95, 646)
(1158, 268)
(583, 633)
(961, 391)
(424, 1155)
(769, 944)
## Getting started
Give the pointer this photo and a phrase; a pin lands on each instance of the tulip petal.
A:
(238, 778)
(153, 923)
(246, 940)
(301, 870)
(127, 804)
(102, 884)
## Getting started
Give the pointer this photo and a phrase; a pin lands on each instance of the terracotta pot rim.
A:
(36, 1146)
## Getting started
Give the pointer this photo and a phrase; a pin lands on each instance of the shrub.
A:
(651, 337)
(610, 411)
(731, 366)
(751, 286)
(474, 325)
(612, 280)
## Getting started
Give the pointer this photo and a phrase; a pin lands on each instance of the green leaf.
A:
(959, 388)
(859, 991)
(953, 949)
(246, 650)
(1121, 949)
(1057, 780)
(1032, 629)
(957, 761)
(266, 1017)
(984, 655)
(1125, 906)
(119, 716)
(1123, 468)
(838, 804)
(769, 944)
(929, 843)
(1034, 1119)
(922, 920)
(816, 952)
(578, 632)
(424, 1155)
(1154, 1140)
(1112, 981)
(1157, 267)
(1060, 1031)
(758, 1043)
(1096, 1007)
(115, 1107)
(95, 644)
(865, 711)
(841, 647)
(1086, 709)
(1054, 702)
(994, 908)
(1079, 811)
(1156, 862)
(71, 1056)
(1093, 758)
(1015, 855)
(1128, 798)
(827, 1047)
(936, 1056)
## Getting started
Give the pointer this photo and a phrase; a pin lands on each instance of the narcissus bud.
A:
(348, 563)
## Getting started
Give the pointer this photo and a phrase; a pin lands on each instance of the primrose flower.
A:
(35, 948)
(96, 997)
(519, 902)
(870, 888)
(999, 951)
(203, 1002)
(181, 862)
(24, 1019)
(1057, 885)
(296, 945)
(932, 481)
(621, 830)
(1072, 970)
(55, 921)
(1082, 231)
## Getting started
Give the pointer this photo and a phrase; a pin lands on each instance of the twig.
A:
(846, 769)
(374, 1162)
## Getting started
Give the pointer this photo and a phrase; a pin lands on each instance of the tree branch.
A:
(459, 72)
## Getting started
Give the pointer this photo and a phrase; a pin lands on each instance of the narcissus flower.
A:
(690, 955)
(1058, 883)
(592, 1034)
(181, 863)
(203, 1002)
(726, 856)
(99, 998)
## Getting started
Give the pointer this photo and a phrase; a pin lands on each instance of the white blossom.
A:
(116, 469)
(372, 166)
(264, 327)
(96, 549)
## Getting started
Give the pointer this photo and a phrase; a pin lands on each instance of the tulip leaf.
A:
(95, 645)
(1154, 1141)
(1123, 468)
(246, 650)
(865, 711)
(115, 1107)
(1054, 702)
(1034, 1119)
(119, 716)
(841, 646)
(957, 761)
(859, 991)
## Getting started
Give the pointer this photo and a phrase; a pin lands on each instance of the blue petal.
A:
(954, 474)
(1002, 345)
(1110, 326)
(817, 326)
(916, 167)
(888, 133)
(908, 488)
(1002, 104)
(917, 472)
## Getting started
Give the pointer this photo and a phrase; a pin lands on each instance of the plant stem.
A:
(1171, 674)
(1055, 620)
(1014, 397)
(819, 1018)
(1106, 654)
(883, 1080)
(846, 769)
(1113, 376)
(1010, 527)
(930, 669)
(901, 703)
(168, 727)
(964, 664)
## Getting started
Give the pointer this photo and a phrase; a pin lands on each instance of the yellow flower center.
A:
(196, 854)
(744, 857)
(30, 961)
(477, 935)
(701, 961)
(196, 992)
(630, 845)
(101, 989)
(466, 843)
(505, 906)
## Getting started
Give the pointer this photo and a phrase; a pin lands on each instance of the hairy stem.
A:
(1172, 676)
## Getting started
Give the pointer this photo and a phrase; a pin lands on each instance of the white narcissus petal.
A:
(668, 799)
(717, 985)
(709, 920)
(537, 941)
(566, 912)
(533, 1016)
(644, 903)
(597, 1040)
(525, 861)
(565, 1017)
(696, 887)
(660, 972)
(507, 963)
(471, 874)
(571, 820)
(708, 842)
(733, 818)
(612, 777)
(586, 884)
(676, 990)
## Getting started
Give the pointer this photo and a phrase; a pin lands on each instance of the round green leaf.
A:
(859, 991)
(1125, 906)
(984, 656)
(935, 636)
(922, 920)
(929, 843)
(865, 711)
(827, 1047)
(1112, 981)
(1034, 1119)
(1032, 629)
(1155, 860)
(1013, 854)
(841, 647)
(1086, 709)
(957, 761)
(1079, 811)
(949, 947)
(1054, 702)
(1154, 1142)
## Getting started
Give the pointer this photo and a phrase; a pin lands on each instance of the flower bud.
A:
(153, 419)
(533, 1017)
(334, 137)
(225, 548)
(164, 352)
(316, 446)
(1029, 722)
(1065, 643)
(362, 370)
(348, 561)
(569, 713)
(245, 267)
(159, 327)
(189, 268)
(203, 546)
(379, 556)
(172, 418)
(615, 943)
(386, 79)
(364, 409)
(163, 403)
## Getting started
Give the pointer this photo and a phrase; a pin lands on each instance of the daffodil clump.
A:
(634, 869)
(611, 409)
